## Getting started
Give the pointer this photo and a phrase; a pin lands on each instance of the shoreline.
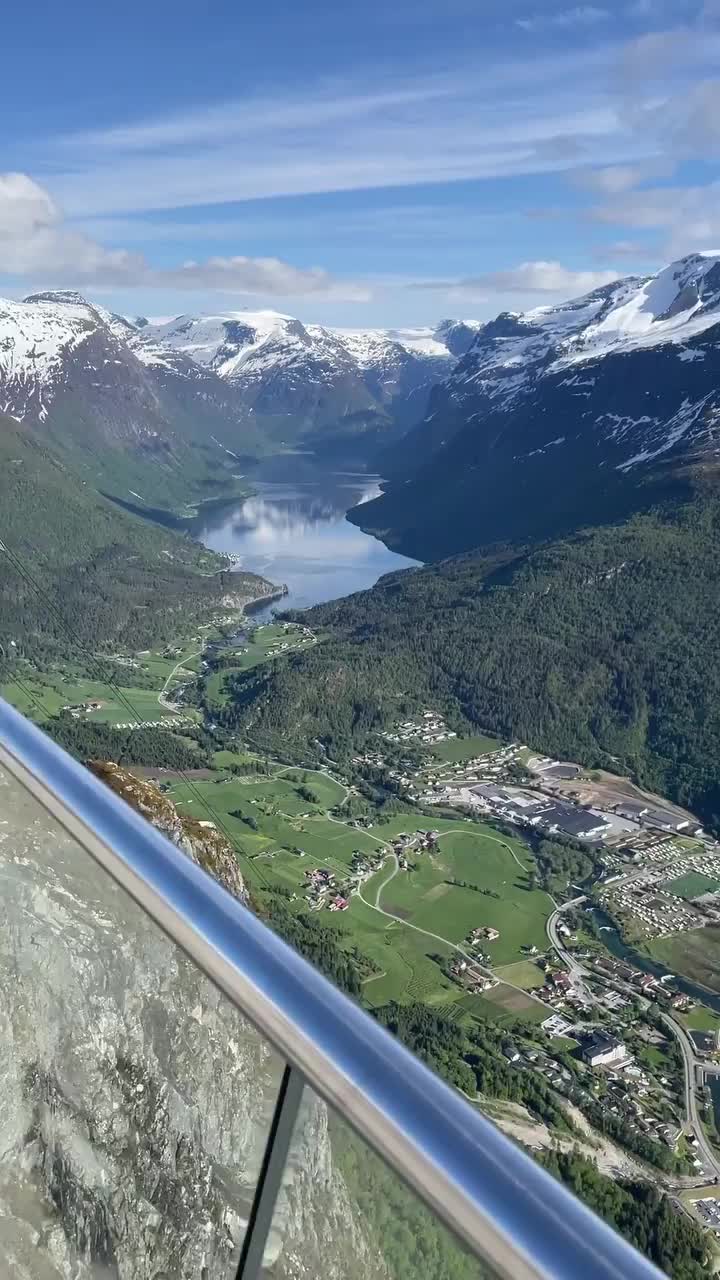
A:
(278, 594)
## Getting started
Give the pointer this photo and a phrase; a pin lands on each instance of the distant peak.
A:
(64, 297)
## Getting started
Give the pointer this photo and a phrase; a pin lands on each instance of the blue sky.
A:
(385, 163)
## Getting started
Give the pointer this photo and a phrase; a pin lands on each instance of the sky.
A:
(382, 164)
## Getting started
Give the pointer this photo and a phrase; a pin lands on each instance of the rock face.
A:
(134, 1101)
(198, 839)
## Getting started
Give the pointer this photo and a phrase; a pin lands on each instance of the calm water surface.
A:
(294, 530)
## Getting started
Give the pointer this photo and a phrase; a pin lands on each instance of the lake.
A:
(293, 530)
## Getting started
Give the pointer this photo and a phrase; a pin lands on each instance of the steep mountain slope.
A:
(314, 382)
(163, 430)
(602, 648)
(113, 578)
(562, 416)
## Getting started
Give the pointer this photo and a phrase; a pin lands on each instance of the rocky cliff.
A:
(134, 1102)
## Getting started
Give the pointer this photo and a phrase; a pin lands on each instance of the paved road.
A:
(323, 773)
(165, 702)
(690, 1059)
(576, 970)
(438, 938)
(694, 1123)
(386, 881)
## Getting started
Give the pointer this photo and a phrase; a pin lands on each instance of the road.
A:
(323, 773)
(386, 881)
(164, 702)
(575, 969)
(694, 1123)
(438, 938)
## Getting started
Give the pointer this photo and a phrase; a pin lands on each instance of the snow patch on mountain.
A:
(35, 338)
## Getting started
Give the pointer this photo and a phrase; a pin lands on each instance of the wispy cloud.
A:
(582, 15)
(34, 239)
(474, 122)
(615, 179)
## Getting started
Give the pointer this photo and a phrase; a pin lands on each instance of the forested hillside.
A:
(111, 577)
(602, 647)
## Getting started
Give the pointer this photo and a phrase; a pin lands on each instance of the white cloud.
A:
(583, 15)
(528, 277)
(36, 241)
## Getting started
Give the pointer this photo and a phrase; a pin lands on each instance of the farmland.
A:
(426, 899)
(695, 954)
(48, 694)
(280, 836)
(129, 693)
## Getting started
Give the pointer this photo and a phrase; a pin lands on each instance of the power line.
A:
(121, 697)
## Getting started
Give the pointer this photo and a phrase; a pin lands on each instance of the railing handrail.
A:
(509, 1211)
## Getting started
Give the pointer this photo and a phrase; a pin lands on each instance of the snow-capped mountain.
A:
(70, 372)
(307, 378)
(554, 413)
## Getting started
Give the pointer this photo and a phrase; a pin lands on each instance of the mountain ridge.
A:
(362, 382)
(561, 416)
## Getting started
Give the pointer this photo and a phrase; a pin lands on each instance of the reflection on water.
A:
(294, 531)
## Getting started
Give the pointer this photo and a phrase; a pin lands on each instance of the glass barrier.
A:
(342, 1213)
(135, 1102)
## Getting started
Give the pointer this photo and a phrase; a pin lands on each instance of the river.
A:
(293, 530)
(639, 960)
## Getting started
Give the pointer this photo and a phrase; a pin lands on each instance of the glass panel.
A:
(135, 1102)
(342, 1213)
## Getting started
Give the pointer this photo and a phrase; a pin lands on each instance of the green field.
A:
(123, 700)
(407, 962)
(522, 974)
(692, 885)
(695, 954)
(424, 898)
(49, 694)
(701, 1019)
(464, 748)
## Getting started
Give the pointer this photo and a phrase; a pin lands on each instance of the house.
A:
(601, 1050)
(491, 934)
(511, 1053)
(339, 904)
(561, 980)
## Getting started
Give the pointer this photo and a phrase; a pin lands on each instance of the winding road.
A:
(374, 906)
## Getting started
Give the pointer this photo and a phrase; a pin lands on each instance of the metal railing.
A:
(508, 1210)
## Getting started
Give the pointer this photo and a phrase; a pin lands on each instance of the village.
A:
(430, 728)
(326, 889)
(679, 890)
(615, 1065)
